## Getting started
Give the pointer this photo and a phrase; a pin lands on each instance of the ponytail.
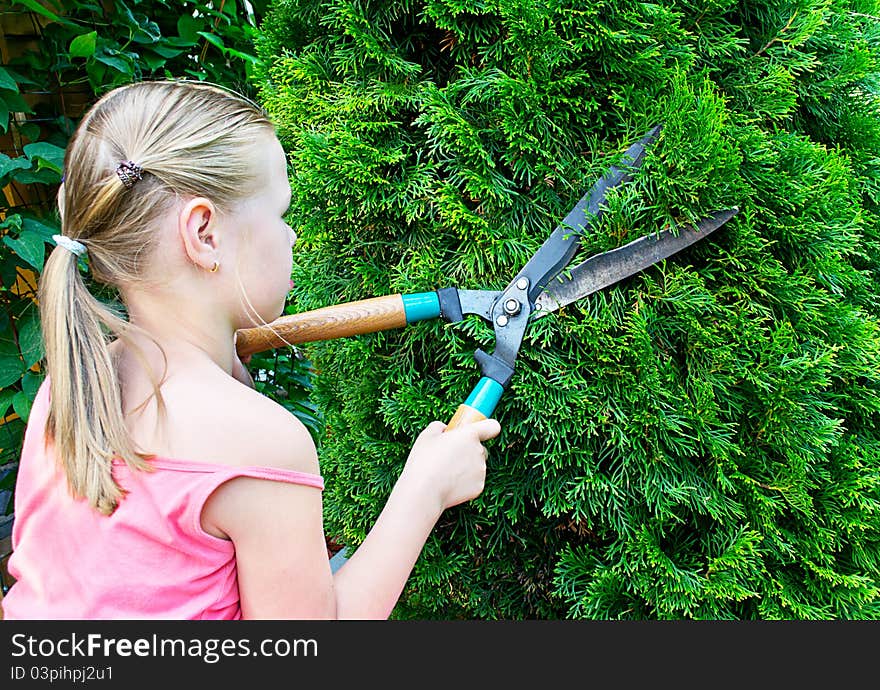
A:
(85, 420)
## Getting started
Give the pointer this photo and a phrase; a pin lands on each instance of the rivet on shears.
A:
(522, 283)
(502, 320)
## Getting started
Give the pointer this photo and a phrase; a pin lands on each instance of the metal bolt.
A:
(501, 320)
(522, 283)
(512, 307)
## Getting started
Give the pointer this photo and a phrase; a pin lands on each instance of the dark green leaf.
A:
(30, 339)
(12, 222)
(11, 364)
(44, 176)
(35, 6)
(29, 246)
(6, 396)
(22, 403)
(29, 130)
(147, 31)
(31, 381)
(8, 165)
(6, 80)
(244, 56)
(46, 155)
(14, 102)
(165, 51)
(212, 39)
(188, 27)
(40, 226)
(152, 61)
(117, 63)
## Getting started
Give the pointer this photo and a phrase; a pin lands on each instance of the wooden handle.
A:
(465, 414)
(338, 321)
(479, 404)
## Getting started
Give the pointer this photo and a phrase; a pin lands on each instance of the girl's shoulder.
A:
(262, 431)
(214, 418)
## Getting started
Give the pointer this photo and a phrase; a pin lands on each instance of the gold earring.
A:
(216, 266)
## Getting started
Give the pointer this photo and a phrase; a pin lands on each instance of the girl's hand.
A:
(450, 465)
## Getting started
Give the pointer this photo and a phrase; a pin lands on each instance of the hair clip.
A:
(129, 173)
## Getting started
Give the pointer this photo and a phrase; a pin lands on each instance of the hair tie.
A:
(129, 173)
(77, 248)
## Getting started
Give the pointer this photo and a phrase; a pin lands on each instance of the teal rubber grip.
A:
(485, 396)
(420, 306)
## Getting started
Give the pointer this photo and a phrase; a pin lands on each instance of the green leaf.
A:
(166, 51)
(30, 247)
(44, 176)
(38, 227)
(212, 39)
(47, 155)
(20, 78)
(30, 339)
(8, 165)
(29, 130)
(21, 403)
(83, 46)
(188, 27)
(119, 64)
(247, 57)
(12, 222)
(14, 102)
(35, 6)
(146, 31)
(11, 364)
(6, 396)
(31, 383)
(153, 62)
(6, 80)
(178, 42)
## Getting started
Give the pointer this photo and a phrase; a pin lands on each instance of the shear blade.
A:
(610, 267)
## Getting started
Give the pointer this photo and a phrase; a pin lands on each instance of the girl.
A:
(155, 482)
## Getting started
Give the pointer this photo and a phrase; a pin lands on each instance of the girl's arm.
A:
(277, 528)
(443, 470)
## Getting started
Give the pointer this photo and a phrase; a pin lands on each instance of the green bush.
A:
(699, 441)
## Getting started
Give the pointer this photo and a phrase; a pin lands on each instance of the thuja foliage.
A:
(699, 441)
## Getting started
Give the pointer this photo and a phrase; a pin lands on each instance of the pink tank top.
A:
(150, 559)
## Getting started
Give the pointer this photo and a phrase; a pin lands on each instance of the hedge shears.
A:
(546, 283)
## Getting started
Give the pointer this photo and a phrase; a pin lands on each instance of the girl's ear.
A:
(197, 227)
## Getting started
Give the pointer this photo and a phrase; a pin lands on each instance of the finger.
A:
(486, 429)
(435, 428)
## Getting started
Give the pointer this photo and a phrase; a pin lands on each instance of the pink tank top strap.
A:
(277, 474)
(213, 476)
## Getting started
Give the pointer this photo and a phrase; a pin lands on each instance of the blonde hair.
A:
(190, 138)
